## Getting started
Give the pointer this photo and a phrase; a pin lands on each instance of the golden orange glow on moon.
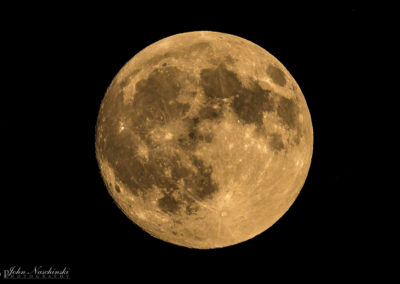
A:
(204, 139)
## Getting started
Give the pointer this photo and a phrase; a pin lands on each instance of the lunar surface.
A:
(204, 139)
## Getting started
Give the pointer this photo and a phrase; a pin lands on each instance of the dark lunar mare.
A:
(277, 75)
(154, 105)
(250, 102)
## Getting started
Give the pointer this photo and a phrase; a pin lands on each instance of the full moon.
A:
(204, 139)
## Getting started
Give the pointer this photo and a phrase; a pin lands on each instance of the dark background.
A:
(55, 209)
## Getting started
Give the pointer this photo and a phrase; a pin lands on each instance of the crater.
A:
(117, 189)
(277, 75)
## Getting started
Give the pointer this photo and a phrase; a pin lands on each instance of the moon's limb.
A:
(204, 139)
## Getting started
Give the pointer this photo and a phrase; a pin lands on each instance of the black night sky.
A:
(55, 209)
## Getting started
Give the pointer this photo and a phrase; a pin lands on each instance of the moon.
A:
(204, 139)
